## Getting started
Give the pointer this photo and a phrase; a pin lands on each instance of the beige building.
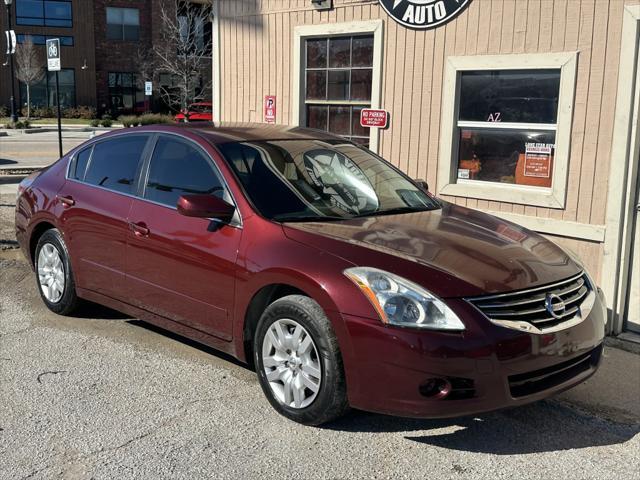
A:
(524, 109)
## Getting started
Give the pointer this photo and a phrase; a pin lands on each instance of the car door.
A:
(180, 267)
(97, 197)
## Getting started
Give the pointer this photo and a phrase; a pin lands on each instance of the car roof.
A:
(219, 133)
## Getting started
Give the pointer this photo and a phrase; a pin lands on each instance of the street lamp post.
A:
(14, 113)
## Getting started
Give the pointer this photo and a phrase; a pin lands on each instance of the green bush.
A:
(95, 122)
(4, 111)
(129, 120)
(107, 122)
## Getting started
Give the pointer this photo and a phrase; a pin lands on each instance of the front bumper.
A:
(488, 366)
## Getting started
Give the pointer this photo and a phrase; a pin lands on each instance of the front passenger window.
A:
(176, 169)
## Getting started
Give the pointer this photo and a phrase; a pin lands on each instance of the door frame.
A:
(623, 174)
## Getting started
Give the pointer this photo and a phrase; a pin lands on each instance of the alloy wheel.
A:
(51, 273)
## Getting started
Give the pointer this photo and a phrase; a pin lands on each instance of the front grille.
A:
(530, 305)
(536, 381)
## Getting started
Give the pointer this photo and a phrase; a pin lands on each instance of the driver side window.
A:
(176, 169)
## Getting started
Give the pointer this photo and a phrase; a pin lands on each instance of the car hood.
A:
(461, 252)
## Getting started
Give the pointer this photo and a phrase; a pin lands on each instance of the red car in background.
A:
(342, 280)
(197, 112)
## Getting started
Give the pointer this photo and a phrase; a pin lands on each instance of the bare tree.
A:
(183, 51)
(30, 67)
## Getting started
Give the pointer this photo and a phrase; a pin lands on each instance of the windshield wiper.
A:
(307, 218)
(395, 211)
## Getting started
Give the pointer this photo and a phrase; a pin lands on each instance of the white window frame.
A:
(303, 32)
(448, 184)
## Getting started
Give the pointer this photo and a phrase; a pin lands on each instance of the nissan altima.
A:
(341, 280)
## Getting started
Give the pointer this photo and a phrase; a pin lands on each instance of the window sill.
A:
(521, 194)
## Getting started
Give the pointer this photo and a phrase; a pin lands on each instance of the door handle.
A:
(139, 229)
(66, 201)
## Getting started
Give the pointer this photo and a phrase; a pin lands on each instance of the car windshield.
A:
(319, 180)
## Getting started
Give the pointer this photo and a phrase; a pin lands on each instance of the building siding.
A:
(256, 48)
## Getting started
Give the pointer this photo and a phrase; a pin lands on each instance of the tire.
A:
(60, 298)
(329, 401)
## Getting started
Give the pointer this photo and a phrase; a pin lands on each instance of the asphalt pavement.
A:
(100, 395)
(38, 149)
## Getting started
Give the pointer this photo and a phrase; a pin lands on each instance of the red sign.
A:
(270, 109)
(374, 118)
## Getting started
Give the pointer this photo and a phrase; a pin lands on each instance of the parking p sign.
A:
(53, 55)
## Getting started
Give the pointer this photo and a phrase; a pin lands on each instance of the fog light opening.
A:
(435, 388)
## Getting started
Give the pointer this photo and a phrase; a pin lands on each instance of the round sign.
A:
(423, 14)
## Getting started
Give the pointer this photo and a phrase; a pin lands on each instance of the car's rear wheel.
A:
(298, 361)
(54, 274)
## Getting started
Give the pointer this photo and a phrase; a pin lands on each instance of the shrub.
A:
(129, 120)
(83, 112)
(19, 125)
(4, 111)
(95, 122)
(43, 112)
(106, 122)
(155, 118)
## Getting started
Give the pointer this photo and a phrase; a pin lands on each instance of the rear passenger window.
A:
(178, 168)
(114, 163)
(80, 164)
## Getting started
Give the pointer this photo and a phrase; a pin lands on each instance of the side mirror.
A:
(422, 184)
(205, 206)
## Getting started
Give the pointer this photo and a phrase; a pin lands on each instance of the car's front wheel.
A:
(54, 274)
(298, 361)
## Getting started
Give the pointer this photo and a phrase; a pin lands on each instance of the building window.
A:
(123, 24)
(507, 126)
(48, 13)
(338, 80)
(506, 136)
(65, 41)
(124, 94)
(43, 93)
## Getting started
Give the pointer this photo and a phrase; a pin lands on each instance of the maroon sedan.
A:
(343, 281)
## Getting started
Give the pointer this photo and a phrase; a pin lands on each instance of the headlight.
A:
(401, 302)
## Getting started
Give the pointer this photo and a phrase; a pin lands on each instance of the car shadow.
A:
(92, 310)
(545, 426)
(6, 161)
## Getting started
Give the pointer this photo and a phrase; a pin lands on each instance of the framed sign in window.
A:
(506, 137)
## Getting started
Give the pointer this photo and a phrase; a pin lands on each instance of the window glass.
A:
(43, 93)
(50, 13)
(339, 77)
(114, 163)
(124, 92)
(507, 126)
(339, 52)
(362, 52)
(524, 96)
(178, 168)
(80, 165)
(317, 53)
(308, 179)
(523, 157)
(123, 23)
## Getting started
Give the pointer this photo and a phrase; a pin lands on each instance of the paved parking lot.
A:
(100, 395)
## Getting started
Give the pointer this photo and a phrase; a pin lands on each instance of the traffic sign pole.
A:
(59, 115)
(54, 65)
